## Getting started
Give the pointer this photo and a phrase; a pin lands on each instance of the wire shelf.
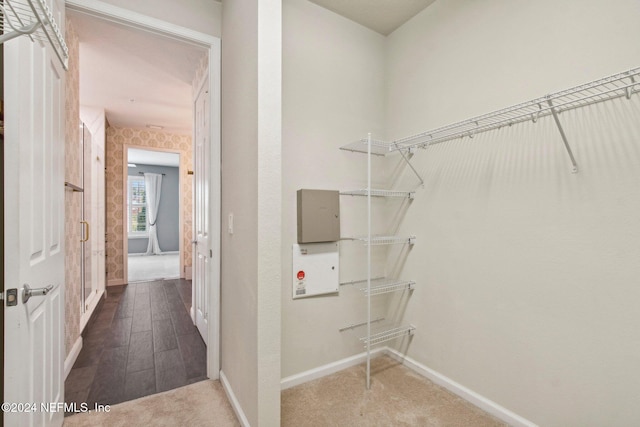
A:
(619, 85)
(378, 147)
(380, 193)
(34, 19)
(383, 240)
(388, 335)
(384, 286)
(388, 240)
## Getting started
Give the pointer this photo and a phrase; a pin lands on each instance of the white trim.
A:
(129, 18)
(215, 207)
(73, 355)
(328, 369)
(90, 305)
(235, 404)
(470, 396)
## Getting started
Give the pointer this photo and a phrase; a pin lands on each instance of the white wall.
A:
(333, 87)
(251, 146)
(527, 274)
(204, 16)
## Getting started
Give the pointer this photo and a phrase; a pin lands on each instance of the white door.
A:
(34, 230)
(202, 248)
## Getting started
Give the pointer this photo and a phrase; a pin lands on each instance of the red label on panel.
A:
(300, 275)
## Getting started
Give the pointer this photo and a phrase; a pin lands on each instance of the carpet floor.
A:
(398, 397)
(201, 404)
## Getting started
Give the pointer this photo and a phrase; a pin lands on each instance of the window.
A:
(137, 207)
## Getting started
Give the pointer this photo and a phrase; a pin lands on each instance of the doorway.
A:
(153, 215)
(211, 73)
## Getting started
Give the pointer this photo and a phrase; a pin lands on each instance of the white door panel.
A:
(203, 250)
(34, 229)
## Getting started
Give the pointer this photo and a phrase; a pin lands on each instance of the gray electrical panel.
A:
(318, 216)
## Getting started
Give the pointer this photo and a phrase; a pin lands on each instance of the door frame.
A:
(125, 229)
(139, 21)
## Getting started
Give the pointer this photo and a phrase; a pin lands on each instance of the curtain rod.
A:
(142, 173)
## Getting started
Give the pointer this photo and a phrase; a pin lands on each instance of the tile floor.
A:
(141, 341)
(153, 267)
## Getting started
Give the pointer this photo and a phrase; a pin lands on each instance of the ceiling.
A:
(383, 16)
(152, 157)
(142, 79)
(139, 78)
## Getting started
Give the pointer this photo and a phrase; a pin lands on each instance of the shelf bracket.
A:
(629, 89)
(554, 112)
(412, 168)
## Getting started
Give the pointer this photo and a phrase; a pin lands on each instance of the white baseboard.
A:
(73, 355)
(469, 395)
(116, 282)
(235, 404)
(328, 369)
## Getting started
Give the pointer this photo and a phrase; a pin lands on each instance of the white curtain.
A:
(153, 187)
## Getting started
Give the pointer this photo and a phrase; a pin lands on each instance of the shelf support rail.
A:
(564, 137)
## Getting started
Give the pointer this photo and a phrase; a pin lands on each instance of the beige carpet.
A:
(398, 397)
(197, 405)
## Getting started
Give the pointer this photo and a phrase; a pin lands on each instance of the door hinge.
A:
(210, 253)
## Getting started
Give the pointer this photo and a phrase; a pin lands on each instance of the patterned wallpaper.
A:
(72, 302)
(117, 138)
(201, 73)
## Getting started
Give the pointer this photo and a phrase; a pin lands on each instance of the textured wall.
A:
(251, 190)
(526, 273)
(72, 199)
(324, 56)
(117, 138)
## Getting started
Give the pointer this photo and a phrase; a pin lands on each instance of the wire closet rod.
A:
(615, 86)
(619, 85)
(34, 19)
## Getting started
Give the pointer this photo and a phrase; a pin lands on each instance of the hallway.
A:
(140, 342)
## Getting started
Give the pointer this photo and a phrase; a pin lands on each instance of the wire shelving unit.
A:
(379, 285)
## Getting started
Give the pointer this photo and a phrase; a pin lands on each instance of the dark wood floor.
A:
(141, 341)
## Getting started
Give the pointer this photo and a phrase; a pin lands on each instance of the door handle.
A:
(27, 292)
(86, 231)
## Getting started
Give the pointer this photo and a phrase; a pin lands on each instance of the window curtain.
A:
(153, 190)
